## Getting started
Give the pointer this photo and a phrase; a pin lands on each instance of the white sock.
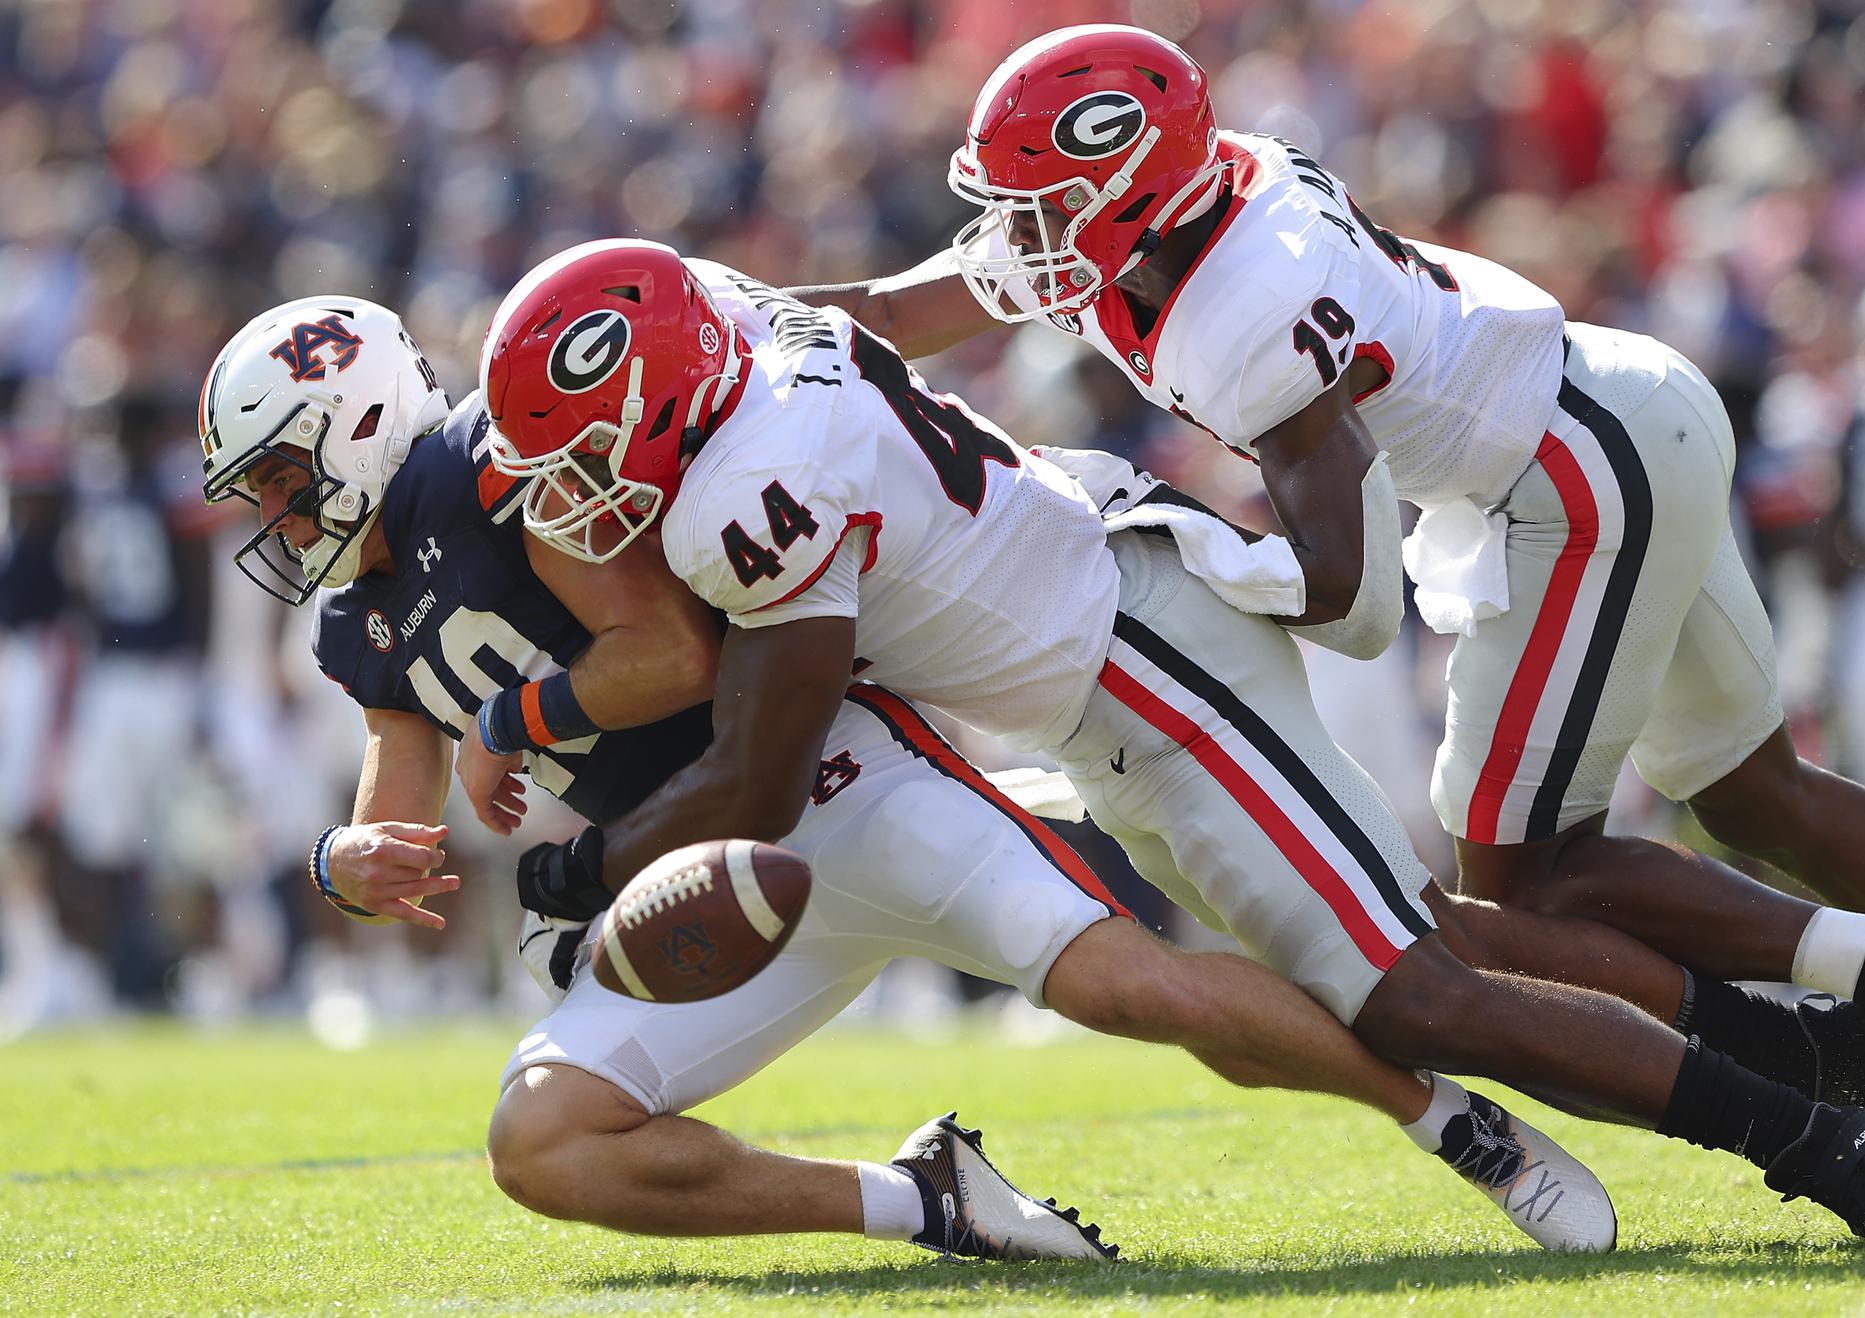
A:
(1831, 952)
(891, 1206)
(1448, 1100)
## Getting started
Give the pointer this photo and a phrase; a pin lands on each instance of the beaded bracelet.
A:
(320, 875)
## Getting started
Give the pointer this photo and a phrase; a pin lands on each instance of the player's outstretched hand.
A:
(492, 784)
(385, 868)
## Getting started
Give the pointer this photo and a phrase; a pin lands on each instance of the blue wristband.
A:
(563, 715)
(533, 717)
(497, 717)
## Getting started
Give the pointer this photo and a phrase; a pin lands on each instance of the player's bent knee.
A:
(1422, 1007)
(1469, 927)
(1491, 936)
(538, 1142)
(1759, 807)
(1117, 978)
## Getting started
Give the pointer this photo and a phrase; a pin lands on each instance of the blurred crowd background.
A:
(1693, 169)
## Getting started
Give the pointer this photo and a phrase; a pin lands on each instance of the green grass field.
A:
(150, 1170)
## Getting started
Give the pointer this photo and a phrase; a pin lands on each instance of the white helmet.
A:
(335, 386)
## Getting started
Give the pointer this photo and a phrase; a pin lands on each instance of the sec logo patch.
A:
(376, 627)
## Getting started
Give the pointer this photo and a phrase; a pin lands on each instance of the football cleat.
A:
(1824, 1164)
(972, 1211)
(1542, 1189)
(1835, 1031)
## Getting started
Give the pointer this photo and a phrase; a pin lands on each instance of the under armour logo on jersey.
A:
(1099, 124)
(588, 352)
(381, 635)
(300, 352)
(428, 556)
(1139, 363)
(832, 775)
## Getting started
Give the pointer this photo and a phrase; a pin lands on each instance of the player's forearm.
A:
(655, 646)
(1314, 466)
(1330, 589)
(921, 311)
(780, 688)
(714, 797)
(624, 681)
(404, 774)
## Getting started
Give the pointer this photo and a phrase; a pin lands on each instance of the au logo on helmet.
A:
(300, 352)
(1099, 124)
(588, 352)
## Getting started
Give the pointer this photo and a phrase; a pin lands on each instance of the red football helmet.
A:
(1110, 129)
(600, 372)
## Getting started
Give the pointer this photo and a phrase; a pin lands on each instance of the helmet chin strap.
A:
(712, 389)
(345, 565)
(1211, 182)
(613, 440)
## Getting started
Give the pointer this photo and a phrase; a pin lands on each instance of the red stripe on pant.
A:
(1281, 831)
(1526, 688)
(925, 739)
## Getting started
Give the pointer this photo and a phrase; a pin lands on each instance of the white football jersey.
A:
(1295, 284)
(986, 589)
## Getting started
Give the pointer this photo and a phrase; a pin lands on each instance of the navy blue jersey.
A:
(463, 616)
(124, 561)
(32, 584)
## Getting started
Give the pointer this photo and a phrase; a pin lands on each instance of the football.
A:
(700, 921)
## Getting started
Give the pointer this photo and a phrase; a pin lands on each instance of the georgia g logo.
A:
(1099, 124)
(300, 351)
(588, 352)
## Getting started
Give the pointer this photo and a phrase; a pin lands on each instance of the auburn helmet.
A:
(334, 386)
(1085, 148)
(601, 372)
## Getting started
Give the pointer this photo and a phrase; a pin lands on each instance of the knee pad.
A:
(1033, 919)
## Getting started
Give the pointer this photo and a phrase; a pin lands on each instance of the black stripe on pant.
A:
(1628, 471)
(1282, 757)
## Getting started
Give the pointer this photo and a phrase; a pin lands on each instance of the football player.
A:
(845, 520)
(1573, 479)
(324, 413)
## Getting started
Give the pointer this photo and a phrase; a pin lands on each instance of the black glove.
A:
(564, 879)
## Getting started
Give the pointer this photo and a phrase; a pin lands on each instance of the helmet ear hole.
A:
(1136, 210)
(366, 426)
(663, 420)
